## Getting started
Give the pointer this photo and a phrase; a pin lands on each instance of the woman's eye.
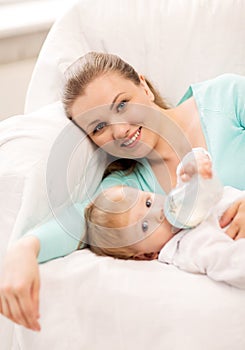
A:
(145, 226)
(99, 127)
(121, 105)
(148, 203)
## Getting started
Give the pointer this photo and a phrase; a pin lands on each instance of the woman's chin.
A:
(134, 151)
(130, 154)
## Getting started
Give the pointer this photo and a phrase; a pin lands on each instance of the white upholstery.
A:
(43, 158)
(175, 43)
(94, 303)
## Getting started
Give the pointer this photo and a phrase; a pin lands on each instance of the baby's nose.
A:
(162, 216)
(159, 214)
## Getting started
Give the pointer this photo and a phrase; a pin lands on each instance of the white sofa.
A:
(90, 302)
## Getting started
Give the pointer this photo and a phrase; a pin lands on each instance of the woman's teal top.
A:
(221, 106)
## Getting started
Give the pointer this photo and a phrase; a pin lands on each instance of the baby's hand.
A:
(195, 162)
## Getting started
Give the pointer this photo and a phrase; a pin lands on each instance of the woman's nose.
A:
(120, 130)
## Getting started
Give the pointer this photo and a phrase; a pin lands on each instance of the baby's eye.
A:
(99, 127)
(121, 105)
(145, 226)
(148, 203)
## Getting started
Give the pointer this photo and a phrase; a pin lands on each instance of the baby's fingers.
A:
(205, 169)
(187, 171)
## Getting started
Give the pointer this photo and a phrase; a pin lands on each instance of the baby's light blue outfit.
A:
(221, 106)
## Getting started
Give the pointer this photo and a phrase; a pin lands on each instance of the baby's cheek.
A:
(168, 230)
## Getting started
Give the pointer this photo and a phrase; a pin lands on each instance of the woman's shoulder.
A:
(229, 77)
(125, 177)
(214, 89)
(142, 177)
(221, 81)
(219, 93)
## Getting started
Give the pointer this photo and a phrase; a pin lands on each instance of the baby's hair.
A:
(100, 236)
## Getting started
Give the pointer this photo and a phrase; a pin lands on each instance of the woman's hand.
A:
(235, 216)
(19, 283)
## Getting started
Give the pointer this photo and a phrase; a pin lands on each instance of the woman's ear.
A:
(146, 88)
(145, 256)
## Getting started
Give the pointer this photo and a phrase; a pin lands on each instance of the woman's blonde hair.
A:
(92, 65)
(100, 236)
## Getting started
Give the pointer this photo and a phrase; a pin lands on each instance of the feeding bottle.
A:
(189, 203)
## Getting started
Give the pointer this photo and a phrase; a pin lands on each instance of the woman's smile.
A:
(133, 139)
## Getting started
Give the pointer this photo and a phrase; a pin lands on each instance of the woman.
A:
(122, 113)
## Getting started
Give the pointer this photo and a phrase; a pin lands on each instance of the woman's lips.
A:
(132, 139)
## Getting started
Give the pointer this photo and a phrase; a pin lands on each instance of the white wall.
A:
(23, 28)
(14, 80)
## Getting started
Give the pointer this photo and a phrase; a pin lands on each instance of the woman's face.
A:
(118, 116)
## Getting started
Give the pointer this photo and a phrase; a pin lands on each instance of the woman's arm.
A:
(60, 236)
(19, 275)
(235, 215)
(19, 283)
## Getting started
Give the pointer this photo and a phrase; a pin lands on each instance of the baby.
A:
(123, 220)
(127, 223)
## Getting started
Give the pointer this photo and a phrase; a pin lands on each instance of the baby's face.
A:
(143, 215)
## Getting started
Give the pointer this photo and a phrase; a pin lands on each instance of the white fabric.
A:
(88, 302)
(34, 174)
(42, 157)
(206, 249)
(174, 43)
